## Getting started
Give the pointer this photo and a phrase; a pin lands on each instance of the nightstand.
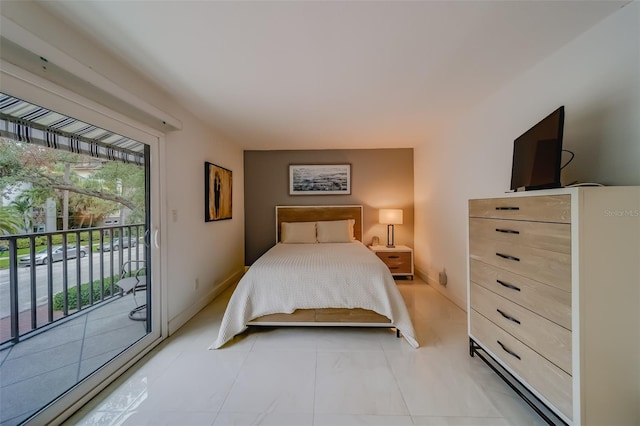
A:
(398, 259)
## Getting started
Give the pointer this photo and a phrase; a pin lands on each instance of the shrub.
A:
(72, 295)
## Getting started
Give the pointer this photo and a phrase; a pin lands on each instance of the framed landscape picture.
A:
(218, 183)
(320, 179)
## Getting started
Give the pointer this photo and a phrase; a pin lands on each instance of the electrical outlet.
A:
(442, 277)
(197, 283)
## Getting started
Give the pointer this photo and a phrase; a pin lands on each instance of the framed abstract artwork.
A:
(218, 183)
(319, 179)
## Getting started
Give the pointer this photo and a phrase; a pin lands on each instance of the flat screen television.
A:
(537, 155)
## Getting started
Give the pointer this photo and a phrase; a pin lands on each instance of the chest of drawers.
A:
(554, 297)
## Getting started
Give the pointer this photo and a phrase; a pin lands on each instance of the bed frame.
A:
(339, 317)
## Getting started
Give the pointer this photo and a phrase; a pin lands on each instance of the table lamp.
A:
(390, 217)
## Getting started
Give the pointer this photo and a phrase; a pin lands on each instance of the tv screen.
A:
(537, 154)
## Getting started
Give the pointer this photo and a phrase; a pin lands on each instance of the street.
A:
(24, 277)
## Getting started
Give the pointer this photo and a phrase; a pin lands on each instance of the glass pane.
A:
(73, 263)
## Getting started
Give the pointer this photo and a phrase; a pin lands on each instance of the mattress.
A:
(314, 276)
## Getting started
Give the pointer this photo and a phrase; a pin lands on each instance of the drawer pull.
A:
(511, 286)
(507, 231)
(510, 318)
(507, 208)
(506, 256)
(504, 348)
(394, 267)
(394, 257)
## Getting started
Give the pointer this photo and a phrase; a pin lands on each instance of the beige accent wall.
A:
(380, 178)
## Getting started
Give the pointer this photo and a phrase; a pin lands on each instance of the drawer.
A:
(534, 369)
(543, 208)
(545, 300)
(543, 235)
(398, 262)
(543, 336)
(541, 265)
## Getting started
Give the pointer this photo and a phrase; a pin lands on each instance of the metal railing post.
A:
(50, 280)
(56, 279)
(32, 280)
(13, 289)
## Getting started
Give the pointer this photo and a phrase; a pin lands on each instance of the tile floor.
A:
(314, 376)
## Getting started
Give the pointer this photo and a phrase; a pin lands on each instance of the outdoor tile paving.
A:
(36, 371)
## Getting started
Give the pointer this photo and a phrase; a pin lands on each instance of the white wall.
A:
(211, 252)
(596, 77)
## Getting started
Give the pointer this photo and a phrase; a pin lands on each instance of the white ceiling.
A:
(331, 74)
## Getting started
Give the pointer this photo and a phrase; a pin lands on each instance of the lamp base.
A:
(390, 236)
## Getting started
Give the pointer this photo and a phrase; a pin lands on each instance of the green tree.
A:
(111, 186)
(88, 210)
(128, 181)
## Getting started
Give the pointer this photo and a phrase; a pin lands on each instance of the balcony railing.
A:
(49, 283)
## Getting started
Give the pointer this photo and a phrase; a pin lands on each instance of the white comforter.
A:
(312, 276)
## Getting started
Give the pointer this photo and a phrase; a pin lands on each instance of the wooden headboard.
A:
(315, 213)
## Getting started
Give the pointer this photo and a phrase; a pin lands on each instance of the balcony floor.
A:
(35, 371)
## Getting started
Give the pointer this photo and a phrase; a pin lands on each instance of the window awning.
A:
(26, 122)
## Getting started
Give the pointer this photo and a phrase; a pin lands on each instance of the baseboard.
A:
(462, 304)
(181, 319)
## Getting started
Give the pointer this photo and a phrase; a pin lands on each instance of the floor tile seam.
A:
(5, 385)
(361, 413)
(315, 388)
(322, 350)
(84, 333)
(39, 351)
(120, 349)
(253, 344)
(127, 339)
(315, 421)
(28, 414)
(10, 349)
(112, 330)
(294, 350)
(117, 313)
(397, 382)
(446, 416)
(235, 380)
(304, 412)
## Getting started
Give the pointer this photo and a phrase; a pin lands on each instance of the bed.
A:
(318, 274)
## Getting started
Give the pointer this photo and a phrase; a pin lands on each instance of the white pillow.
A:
(335, 231)
(298, 233)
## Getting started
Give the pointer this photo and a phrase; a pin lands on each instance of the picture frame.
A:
(218, 186)
(319, 179)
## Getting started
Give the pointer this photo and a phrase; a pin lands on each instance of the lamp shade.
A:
(390, 216)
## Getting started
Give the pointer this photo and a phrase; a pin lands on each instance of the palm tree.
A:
(23, 205)
(10, 220)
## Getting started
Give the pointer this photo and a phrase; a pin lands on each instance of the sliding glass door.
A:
(79, 269)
